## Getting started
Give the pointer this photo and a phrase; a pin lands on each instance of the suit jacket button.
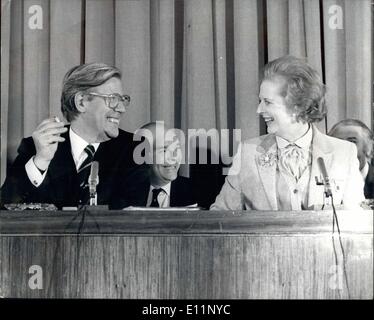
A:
(295, 191)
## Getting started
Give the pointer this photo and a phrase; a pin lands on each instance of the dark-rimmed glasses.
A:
(112, 100)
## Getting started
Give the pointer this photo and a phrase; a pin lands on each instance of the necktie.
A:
(84, 171)
(155, 193)
(90, 150)
(294, 160)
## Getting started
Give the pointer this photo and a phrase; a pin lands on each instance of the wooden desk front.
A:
(186, 255)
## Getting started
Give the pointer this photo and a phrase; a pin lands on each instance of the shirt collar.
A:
(365, 170)
(166, 188)
(78, 144)
(304, 142)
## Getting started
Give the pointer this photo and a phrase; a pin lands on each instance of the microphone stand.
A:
(93, 181)
(93, 206)
(93, 196)
(327, 192)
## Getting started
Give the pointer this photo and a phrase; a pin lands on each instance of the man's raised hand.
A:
(46, 137)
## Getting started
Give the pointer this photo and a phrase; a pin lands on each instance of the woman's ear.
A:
(79, 102)
(295, 114)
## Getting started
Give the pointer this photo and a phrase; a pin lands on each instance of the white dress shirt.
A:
(78, 145)
(292, 194)
(304, 142)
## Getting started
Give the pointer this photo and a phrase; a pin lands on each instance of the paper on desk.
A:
(192, 207)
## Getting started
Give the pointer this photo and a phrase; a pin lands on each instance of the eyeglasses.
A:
(112, 100)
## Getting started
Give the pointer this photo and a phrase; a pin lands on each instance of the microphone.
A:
(93, 181)
(321, 164)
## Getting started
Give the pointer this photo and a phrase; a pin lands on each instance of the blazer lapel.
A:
(266, 161)
(63, 162)
(106, 149)
(173, 194)
(319, 149)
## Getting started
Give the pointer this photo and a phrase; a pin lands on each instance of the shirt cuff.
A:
(34, 174)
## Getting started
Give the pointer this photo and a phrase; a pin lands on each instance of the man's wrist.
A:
(42, 165)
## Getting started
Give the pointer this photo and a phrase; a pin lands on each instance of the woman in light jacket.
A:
(280, 171)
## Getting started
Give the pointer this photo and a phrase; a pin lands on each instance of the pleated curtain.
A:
(191, 63)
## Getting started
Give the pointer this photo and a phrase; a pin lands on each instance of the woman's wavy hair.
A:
(303, 89)
(80, 79)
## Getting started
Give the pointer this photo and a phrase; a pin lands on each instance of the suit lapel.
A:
(319, 149)
(173, 193)
(106, 149)
(63, 162)
(266, 161)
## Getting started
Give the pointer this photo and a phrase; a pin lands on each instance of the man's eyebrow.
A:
(265, 98)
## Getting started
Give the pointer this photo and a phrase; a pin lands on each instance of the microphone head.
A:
(321, 165)
(94, 174)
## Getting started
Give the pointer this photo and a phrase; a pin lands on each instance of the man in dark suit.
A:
(357, 132)
(163, 157)
(53, 165)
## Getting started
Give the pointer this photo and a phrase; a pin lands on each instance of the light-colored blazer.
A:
(251, 183)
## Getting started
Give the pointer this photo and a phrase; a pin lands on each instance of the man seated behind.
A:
(357, 132)
(164, 188)
(53, 165)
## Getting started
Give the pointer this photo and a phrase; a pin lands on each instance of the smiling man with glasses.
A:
(53, 165)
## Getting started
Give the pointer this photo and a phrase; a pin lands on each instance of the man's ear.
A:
(79, 102)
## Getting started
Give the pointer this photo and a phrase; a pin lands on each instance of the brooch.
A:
(267, 159)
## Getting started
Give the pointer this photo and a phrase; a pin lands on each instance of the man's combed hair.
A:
(303, 90)
(80, 79)
(368, 134)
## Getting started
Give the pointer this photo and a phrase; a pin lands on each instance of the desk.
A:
(186, 255)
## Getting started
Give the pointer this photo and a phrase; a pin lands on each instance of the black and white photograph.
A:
(199, 152)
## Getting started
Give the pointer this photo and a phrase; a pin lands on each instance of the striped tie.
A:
(90, 150)
(83, 173)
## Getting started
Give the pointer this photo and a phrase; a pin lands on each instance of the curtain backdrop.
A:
(192, 63)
